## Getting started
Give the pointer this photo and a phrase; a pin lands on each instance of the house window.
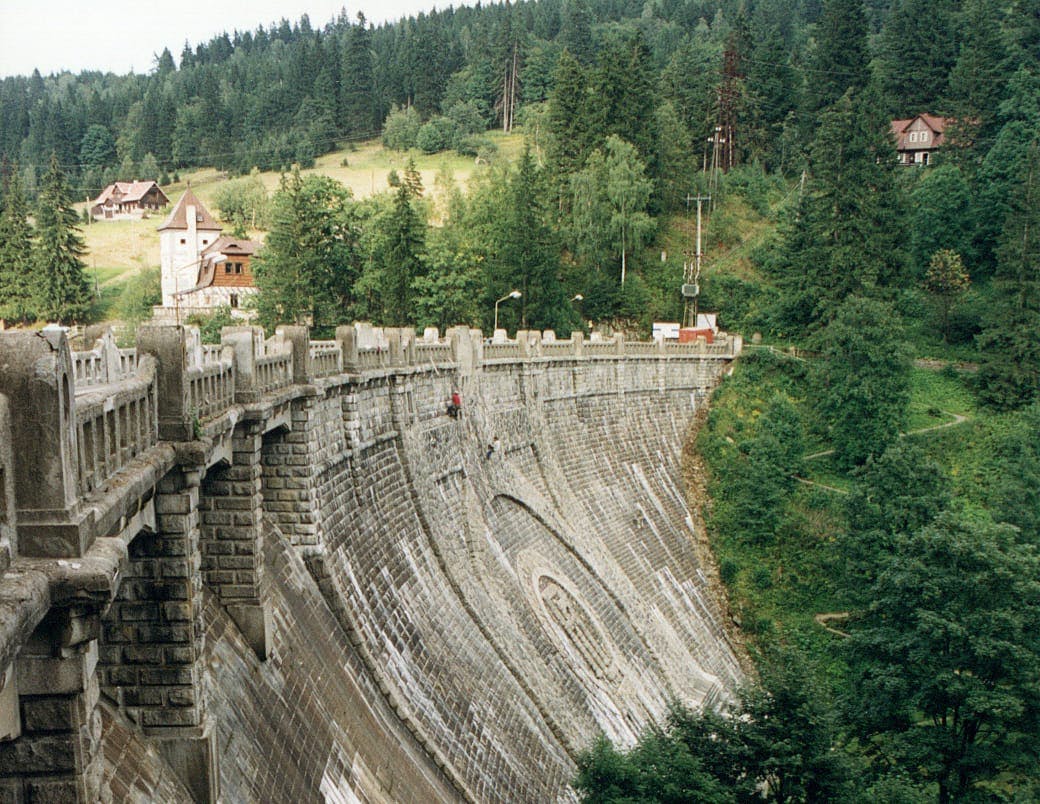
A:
(924, 136)
(183, 241)
(924, 158)
(205, 242)
(238, 267)
(234, 300)
(227, 268)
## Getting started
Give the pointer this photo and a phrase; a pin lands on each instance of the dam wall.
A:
(278, 570)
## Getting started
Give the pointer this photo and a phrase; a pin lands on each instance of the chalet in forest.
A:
(202, 269)
(918, 138)
(128, 199)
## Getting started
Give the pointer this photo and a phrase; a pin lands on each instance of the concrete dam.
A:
(276, 570)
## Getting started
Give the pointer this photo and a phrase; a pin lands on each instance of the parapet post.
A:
(408, 345)
(300, 339)
(36, 377)
(8, 536)
(461, 350)
(395, 352)
(578, 343)
(243, 342)
(346, 337)
(476, 338)
(523, 342)
(168, 344)
(619, 343)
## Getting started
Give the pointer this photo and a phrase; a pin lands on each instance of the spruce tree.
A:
(358, 84)
(60, 273)
(842, 59)
(576, 30)
(16, 265)
(847, 237)
(528, 257)
(977, 81)
(402, 264)
(568, 119)
(918, 50)
(1009, 366)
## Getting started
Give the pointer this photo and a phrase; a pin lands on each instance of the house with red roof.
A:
(128, 199)
(918, 138)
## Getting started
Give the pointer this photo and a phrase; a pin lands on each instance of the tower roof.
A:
(178, 218)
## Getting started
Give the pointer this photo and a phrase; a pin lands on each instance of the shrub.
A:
(401, 128)
(436, 135)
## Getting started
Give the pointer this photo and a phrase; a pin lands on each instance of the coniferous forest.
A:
(874, 516)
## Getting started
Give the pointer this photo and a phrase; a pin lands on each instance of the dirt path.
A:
(957, 419)
(831, 617)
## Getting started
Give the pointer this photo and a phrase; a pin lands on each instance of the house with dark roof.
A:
(918, 138)
(202, 268)
(128, 199)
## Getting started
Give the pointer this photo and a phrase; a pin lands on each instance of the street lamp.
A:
(513, 294)
(578, 297)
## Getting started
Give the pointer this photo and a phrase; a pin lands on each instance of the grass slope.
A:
(120, 249)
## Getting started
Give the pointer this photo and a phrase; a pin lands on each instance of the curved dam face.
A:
(512, 601)
(278, 570)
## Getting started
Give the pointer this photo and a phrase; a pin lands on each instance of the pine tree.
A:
(841, 61)
(360, 113)
(568, 117)
(918, 50)
(847, 238)
(527, 254)
(63, 292)
(401, 264)
(1009, 366)
(17, 301)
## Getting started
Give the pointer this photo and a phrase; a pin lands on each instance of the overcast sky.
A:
(124, 35)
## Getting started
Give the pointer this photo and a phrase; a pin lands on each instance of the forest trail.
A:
(957, 419)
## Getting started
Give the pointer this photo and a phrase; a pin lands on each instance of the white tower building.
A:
(183, 237)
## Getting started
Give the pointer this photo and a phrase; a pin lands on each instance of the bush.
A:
(466, 118)
(210, 325)
(401, 128)
(436, 135)
(481, 148)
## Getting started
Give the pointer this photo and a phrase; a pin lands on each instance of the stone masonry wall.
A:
(510, 607)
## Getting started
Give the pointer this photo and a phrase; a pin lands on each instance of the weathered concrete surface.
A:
(513, 606)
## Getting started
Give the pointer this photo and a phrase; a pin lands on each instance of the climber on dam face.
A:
(455, 405)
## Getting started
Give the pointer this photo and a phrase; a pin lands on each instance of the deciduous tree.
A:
(945, 660)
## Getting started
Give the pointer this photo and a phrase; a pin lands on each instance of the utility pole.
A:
(692, 270)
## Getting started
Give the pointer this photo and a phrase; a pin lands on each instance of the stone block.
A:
(52, 753)
(52, 791)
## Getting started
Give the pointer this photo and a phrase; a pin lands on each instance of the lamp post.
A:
(513, 294)
(578, 298)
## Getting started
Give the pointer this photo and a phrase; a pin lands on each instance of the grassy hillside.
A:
(120, 249)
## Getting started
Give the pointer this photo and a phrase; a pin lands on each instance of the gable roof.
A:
(232, 246)
(178, 218)
(128, 191)
(937, 125)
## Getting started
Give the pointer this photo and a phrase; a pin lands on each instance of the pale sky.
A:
(124, 35)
